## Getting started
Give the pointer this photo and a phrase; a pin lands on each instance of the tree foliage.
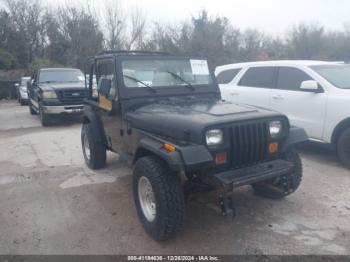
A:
(32, 35)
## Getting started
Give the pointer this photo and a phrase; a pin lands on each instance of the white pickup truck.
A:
(315, 95)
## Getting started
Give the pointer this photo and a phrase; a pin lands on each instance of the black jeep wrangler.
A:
(165, 114)
(56, 91)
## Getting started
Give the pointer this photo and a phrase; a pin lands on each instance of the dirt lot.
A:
(52, 204)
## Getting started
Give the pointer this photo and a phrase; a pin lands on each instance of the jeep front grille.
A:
(72, 97)
(249, 144)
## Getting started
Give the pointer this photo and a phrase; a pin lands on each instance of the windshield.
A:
(337, 75)
(166, 73)
(49, 76)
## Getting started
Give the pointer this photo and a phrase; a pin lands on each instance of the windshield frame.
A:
(129, 92)
(315, 68)
(61, 70)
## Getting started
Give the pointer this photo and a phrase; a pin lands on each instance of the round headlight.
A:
(214, 137)
(275, 128)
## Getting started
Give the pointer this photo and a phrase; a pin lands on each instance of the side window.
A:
(227, 76)
(105, 70)
(259, 77)
(290, 78)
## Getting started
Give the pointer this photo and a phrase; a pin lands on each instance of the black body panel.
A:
(186, 120)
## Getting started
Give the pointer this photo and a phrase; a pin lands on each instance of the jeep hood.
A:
(186, 120)
(63, 85)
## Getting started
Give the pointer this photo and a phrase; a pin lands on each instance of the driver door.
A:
(108, 101)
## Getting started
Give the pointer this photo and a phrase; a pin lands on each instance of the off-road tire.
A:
(31, 110)
(283, 186)
(44, 118)
(168, 194)
(343, 147)
(97, 159)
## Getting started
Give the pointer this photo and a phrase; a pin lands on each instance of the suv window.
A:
(227, 76)
(259, 77)
(105, 69)
(290, 78)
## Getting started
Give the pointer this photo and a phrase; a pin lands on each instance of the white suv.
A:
(315, 95)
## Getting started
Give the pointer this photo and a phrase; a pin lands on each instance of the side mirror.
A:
(310, 85)
(16, 85)
(104, 87)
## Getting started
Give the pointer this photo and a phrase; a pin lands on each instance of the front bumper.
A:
(254, 174)
(68, 109)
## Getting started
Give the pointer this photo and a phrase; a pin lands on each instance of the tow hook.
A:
(226, 201)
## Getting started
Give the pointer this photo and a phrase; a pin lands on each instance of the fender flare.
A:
(90, 116)
(184, 158)
(150, 145)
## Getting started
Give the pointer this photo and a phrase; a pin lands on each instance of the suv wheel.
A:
(94, 151)
(44, 118)
(158, 197)
(343, 147)
(282, 186)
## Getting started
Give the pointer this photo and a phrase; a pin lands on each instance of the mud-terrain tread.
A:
(266, 192)
(169, 197)
(97, 149)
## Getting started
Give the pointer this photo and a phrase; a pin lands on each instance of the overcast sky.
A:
(272, 16)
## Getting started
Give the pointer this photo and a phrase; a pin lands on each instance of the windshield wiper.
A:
(188, 84)
(139, 81)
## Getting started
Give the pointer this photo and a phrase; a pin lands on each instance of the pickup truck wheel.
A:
(343, 147)
(94, 151)
(31, 110)
(44, 118)
(282, 186)
(158, 197)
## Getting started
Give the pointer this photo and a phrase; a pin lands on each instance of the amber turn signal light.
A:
(273, 147)
(221, 158)
(169, 148)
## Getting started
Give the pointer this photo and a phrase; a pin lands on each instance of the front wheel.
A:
(93, 150)
(44, 118)
(285, 185)
(343, 147)
(158, 197)
(31, 109)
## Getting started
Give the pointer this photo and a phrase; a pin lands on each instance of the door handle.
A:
(277, 97)
(234, 94)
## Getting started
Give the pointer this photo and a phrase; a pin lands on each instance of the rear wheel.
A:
(343, 147)
(93, 150)
(285, 185)
(158, 197)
